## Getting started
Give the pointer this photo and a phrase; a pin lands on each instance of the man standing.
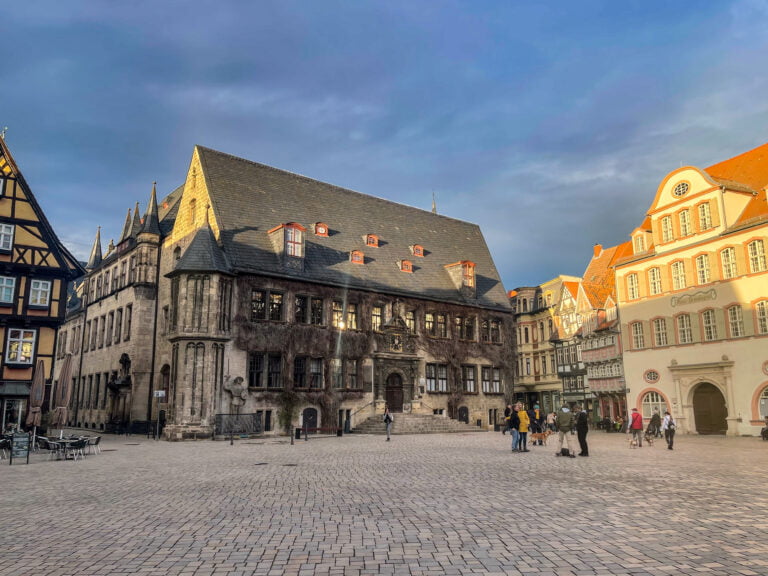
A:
(507, 418)
(564, 426)
(514, 427)
(582, 427)
(636, 427)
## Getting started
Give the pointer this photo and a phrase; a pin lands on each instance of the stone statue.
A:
(237, 390)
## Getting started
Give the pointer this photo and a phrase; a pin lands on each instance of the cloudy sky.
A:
(549, 124)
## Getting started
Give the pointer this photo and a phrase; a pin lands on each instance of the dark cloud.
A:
(548, 124)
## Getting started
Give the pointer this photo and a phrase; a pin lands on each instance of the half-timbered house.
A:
(35, 269)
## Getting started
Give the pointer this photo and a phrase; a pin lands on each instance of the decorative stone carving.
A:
(237, 390)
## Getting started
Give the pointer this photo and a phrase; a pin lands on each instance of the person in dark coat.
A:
(582, 427)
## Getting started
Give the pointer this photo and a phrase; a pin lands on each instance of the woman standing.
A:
(668, 426)
(525, 422)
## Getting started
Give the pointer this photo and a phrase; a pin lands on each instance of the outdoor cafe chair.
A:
(3, 445)
(77, 448)
(93, 445)
(55, 450)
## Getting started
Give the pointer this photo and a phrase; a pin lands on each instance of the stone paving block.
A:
(437, 504)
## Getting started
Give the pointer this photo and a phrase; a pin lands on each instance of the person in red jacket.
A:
(636, 427)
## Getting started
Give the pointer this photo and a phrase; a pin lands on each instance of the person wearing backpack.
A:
(388, 419)
(636, 427)
(564, 426)
(669, 427)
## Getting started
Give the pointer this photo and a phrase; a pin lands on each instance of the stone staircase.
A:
(415, 424)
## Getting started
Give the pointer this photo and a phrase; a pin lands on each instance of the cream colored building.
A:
(536, 310)
(693, 299)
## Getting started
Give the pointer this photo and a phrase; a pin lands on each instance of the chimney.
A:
(597, 250)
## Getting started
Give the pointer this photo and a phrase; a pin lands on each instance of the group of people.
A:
(518, 422)
(667, 426)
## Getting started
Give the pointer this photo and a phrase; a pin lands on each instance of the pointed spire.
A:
(95, 259)
(434, 204)
(126, 228)
(136, 225)
(151, 220)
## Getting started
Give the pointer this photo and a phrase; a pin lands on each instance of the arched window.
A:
(764, 404)
(653, 400)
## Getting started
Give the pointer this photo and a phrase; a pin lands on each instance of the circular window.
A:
(651, 376)
(680, 189)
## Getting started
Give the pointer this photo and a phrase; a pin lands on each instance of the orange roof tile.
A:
(749, 168)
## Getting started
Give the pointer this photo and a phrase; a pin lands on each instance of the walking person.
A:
(669, 427)
(654, 426)
(582, 427)
(636, 427)
(388, 419)
(564, 426)
(525, 422)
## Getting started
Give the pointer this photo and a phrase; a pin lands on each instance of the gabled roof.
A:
(248, 199)
(599, 278)
(65, 260)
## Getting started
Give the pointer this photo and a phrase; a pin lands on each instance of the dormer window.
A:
(372, 240)
(418, 250)
(406, 266)
(357, 257)
(468, 273)
(321, 229)
(463, 276)
(293, 238)
(639, 243)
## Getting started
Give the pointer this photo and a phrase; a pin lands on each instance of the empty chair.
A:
(55, 450)
(93, 445)
(77, 448)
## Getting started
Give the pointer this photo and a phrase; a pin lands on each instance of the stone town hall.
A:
(287, 301)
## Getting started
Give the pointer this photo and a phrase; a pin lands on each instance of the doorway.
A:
(709, 410)
(393, 394)
(309, 420)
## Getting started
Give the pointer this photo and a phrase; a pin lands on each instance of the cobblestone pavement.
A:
(430, 504)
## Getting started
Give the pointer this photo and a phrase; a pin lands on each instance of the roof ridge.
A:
(330, 185)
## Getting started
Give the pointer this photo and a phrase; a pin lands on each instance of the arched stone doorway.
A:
(709, 410)
(393, 393)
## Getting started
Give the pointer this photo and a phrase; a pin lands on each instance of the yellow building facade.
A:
(693, 299)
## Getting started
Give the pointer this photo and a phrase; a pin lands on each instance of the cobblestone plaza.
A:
(422, 504)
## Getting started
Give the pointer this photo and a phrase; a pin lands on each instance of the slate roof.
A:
(202, 255)
(249, 199)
